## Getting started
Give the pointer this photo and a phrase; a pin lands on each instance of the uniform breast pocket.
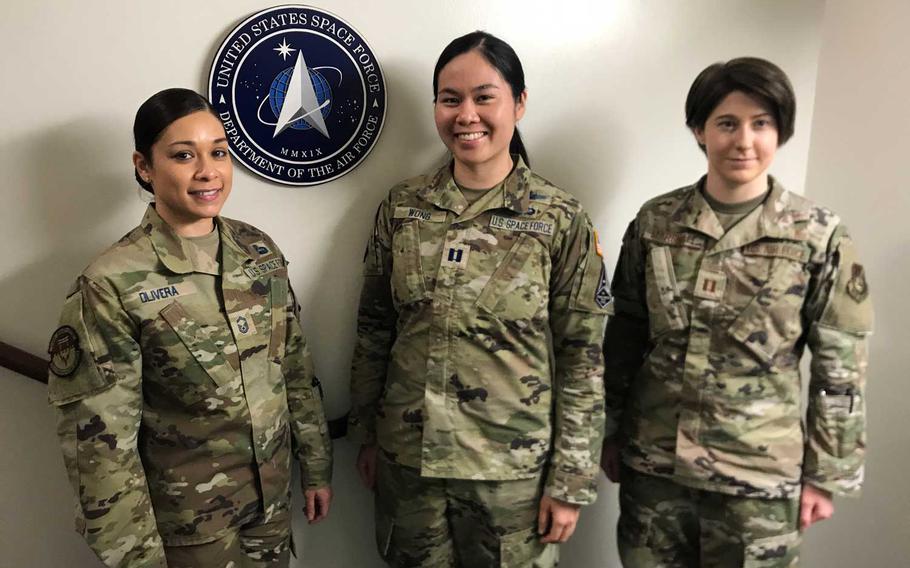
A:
(518, 288)
(771, 320)
(408, 284)
(196, 364)
(666, 310)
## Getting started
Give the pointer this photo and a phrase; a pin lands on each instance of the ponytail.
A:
(517, 146)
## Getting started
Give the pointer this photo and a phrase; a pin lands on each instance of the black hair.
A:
(753, 76)
(157, 113)
(502, 57)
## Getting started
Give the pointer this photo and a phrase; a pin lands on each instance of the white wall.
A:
(607, 81)
(860, 144)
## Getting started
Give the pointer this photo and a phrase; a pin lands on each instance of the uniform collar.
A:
(777, 217)
(170, 247)
(512, 194)
(166, 242)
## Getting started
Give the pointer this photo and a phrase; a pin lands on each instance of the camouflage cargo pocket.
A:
(780, 551)
(523, 549)
(666, 310)
(510, 293)
(772, 318)
(407, 273)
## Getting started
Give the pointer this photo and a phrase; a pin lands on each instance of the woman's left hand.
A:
(560, 517)
(318, 502)
(815, 505)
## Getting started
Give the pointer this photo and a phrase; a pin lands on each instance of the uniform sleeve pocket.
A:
(197, 342)
(510, 293)
(279, 301)
(836, 422)
(407, 274)
(73, 370)
(773, 552)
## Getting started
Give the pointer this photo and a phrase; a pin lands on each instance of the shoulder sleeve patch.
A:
(592, 288)
(73, 372)
(64, 351)
(849, 307)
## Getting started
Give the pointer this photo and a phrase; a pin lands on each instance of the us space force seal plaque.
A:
(300, 93)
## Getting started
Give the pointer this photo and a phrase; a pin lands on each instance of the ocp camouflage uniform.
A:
(454, 375)
(181, 393)
(702, 357)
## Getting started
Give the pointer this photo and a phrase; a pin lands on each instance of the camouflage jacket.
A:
(453, 370)
(178, 415)
(702, 355)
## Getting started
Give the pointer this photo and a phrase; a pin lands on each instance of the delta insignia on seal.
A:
(300, 93)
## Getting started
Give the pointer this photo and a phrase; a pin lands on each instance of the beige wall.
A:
(607, 81)
(860, 147)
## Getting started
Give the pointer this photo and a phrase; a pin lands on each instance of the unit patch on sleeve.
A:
(857, 288)
(602, 296)
(64, 351)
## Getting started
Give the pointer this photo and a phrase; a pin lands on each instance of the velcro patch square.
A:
(456, 255)
(710, 285)
(242, 323)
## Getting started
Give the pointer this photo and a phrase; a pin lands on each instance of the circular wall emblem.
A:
(300, 93)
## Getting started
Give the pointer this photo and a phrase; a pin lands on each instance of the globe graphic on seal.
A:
(279, 90)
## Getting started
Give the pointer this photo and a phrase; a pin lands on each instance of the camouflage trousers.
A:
(254, 545)
(439, 523)
(666, 525)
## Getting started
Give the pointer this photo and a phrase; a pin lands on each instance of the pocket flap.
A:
(203, 349)
(499, 295)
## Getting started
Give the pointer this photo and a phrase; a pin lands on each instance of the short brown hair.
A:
(753, 76)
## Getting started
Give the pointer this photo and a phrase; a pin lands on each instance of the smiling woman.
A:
(188, 169)
(478, 278)
(181, 380)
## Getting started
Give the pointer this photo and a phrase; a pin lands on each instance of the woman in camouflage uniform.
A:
(719, 287)
(476, 387)
(180, 377)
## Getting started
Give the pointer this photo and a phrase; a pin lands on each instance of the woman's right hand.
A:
(366, 464)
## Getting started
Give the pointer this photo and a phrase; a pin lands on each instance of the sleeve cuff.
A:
(314, 475)
(571, 488)
(837, 486)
